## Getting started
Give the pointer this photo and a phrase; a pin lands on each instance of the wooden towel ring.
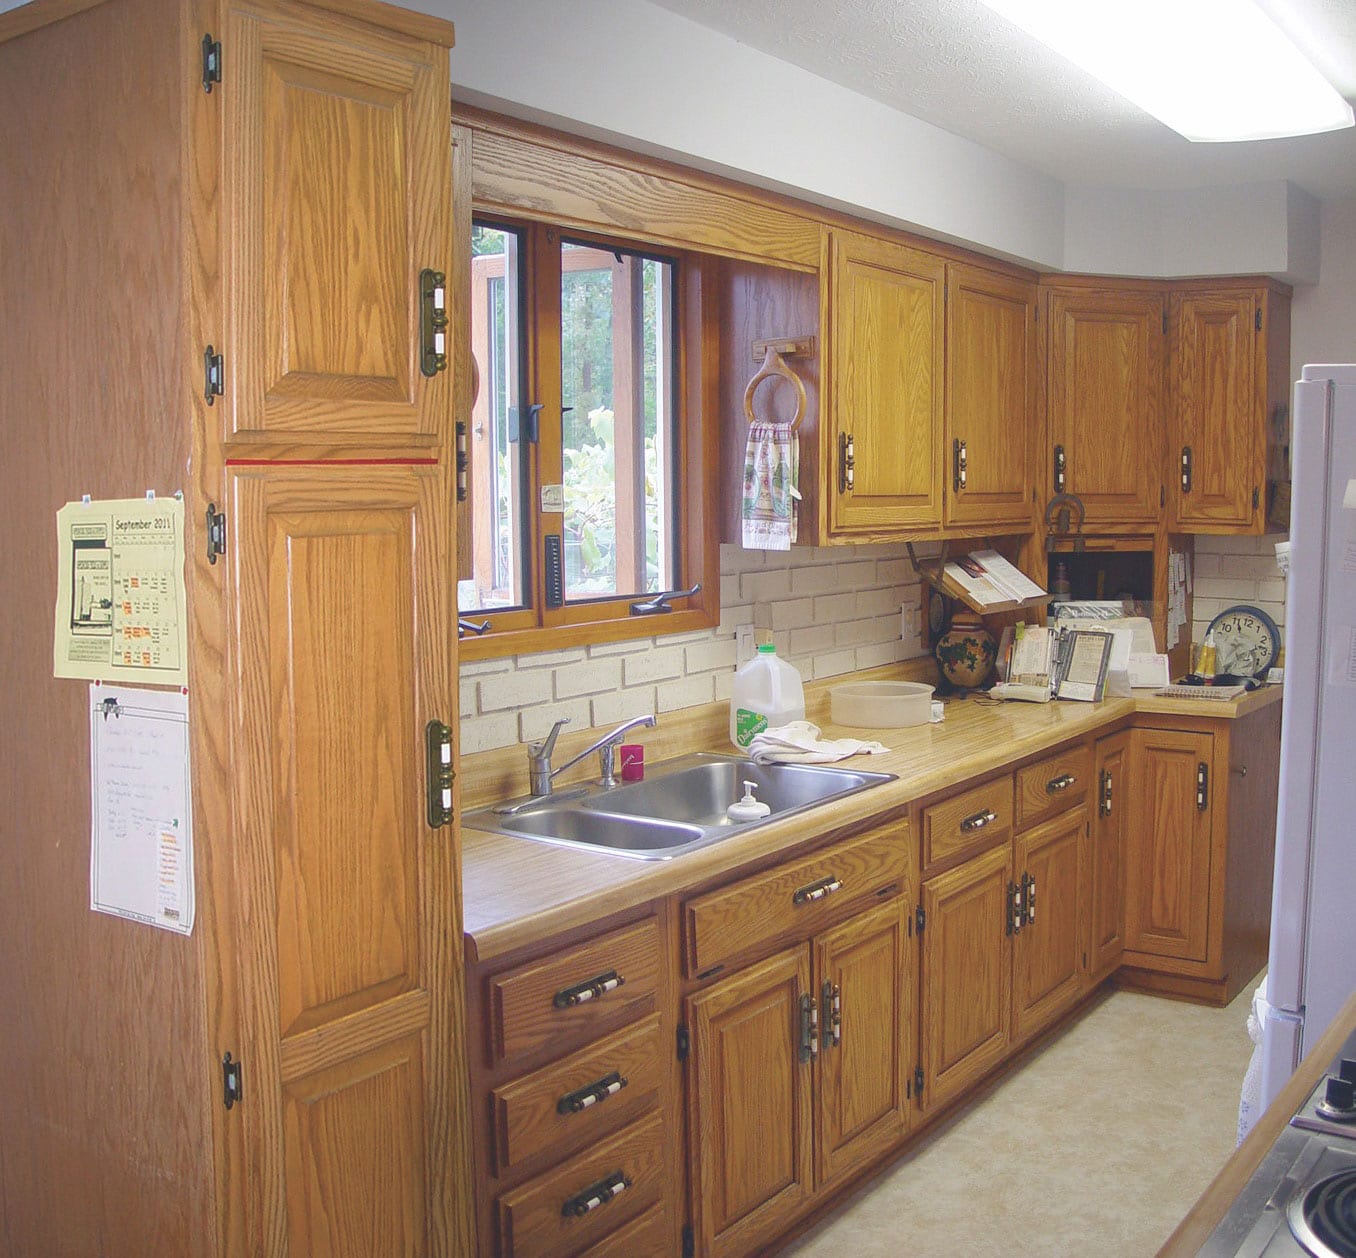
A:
(774, 365)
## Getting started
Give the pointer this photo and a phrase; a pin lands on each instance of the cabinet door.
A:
(335, 197)
(1104, 391)
(1217, 421)
(1106, 864)
(967, 974)
(990, 364)
(1047, 960)
(1168, 856)
(868, 1037)
(750, 1102)
(346, 901)
(886, 363)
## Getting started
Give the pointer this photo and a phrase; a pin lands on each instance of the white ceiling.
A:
(959, 66)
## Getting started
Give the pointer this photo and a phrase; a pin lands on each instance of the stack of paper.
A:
(988, 578)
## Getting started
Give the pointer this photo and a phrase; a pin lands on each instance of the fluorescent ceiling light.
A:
(1209, 69)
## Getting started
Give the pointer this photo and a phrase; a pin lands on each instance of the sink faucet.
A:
(539, 768)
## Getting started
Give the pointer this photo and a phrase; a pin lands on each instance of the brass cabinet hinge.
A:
(232, 1081)
(211, 62)
(216, 532)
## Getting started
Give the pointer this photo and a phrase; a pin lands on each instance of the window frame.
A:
(536, 628)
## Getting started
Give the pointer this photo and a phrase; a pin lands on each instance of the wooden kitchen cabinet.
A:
(886, 386)
(801, 1064)
(1230, 376)
(1106, 863)
(292, 1077)
(990, 398)
(1104, 364)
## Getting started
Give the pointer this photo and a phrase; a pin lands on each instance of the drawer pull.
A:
(580, 1100)
(595, 1195)
(833, 1014)
(817, 890)
(589, 989)
(809, 1028)
(979, 820)
(1061, 783)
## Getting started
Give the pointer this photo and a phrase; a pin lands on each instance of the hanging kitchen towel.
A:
(798, 742)
(771, 470)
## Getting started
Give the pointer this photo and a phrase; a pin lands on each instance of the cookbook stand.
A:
(935, 574)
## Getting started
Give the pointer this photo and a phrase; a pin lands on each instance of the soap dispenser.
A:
(748, 808)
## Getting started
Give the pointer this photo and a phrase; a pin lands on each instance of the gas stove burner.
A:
(1323, 1216)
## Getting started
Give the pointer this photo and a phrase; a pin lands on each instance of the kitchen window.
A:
(581, 481)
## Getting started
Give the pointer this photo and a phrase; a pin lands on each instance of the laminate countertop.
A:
(516, 892)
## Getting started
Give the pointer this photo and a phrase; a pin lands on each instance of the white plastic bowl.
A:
(881, 704)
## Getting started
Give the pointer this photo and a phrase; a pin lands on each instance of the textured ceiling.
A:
(958, 65)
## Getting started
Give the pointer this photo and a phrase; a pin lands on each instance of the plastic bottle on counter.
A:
(767, 693)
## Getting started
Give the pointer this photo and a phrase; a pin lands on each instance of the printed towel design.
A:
(771, 472)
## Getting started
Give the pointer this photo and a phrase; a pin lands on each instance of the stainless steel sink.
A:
(680, 806)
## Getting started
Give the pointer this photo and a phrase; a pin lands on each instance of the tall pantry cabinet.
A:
(274, 200)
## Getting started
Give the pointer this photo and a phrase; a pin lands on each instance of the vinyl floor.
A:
(1098, 1145)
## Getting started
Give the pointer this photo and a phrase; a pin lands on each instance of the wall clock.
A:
(1246, 641)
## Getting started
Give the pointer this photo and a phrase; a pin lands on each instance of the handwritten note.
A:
(141, 845)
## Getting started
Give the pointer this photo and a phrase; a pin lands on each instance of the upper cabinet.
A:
(1230, 374)
(886, 386)
(1104, 390)
(990, 389)
(335, 201)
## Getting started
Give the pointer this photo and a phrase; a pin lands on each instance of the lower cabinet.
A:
(1106, 889)
(801, 1064)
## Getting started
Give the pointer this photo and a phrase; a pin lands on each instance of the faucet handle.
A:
(545, 748)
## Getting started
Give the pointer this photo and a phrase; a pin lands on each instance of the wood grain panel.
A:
(966, 976)
(652, 1233)
(759, 911)
(1217, 410)
(968, 822)
(532, 1223)
(991, 394)
(750, 1096)
(553, 180)
(863, 1101)
(1047, 962)
(337, 197)
(355, 1155)
(527, 1119)
(1106, 896)
(1052, 785)
(523, 1012)
(1104, 382)
(886, 381)
(1168, 854)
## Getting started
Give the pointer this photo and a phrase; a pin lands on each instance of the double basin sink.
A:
(679, 806)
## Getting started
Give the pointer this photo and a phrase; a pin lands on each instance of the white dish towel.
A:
(799, 743)
(771, 470)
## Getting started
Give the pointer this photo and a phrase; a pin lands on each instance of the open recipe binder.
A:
(1073, 663)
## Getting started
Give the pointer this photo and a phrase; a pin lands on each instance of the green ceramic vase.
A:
(966, 651)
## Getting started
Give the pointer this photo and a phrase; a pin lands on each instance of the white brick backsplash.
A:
(706, 657)
(478, 668)
(1219, 588)
(724, 685)
(895, 572)
(885, 653)
(466, 699)
(670, 696)
(860, 632)
(732, 617)
(600, 650)
(515, 690)
(1248, 567)
(736, 559)
(660, 664)
(682, 639)
(589, 678)
(835, 663)
(793, 614)
(806, 642)
(536, 722)
(852, 576)
(1271, 591)
(764, 587)
(816, 580)
(1206, 564)
(484, 733)
(622, 705)
(877, 602)
(552, 659)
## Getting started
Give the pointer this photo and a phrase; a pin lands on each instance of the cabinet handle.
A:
(1104, 803)
(595, 1195)
(978, 821)
(809, 1028)
(582, 1098)
(1029, 894)
(1202, 786)
(833, 1014)
(1015, 913)
(1061, 467)
(432, 322)
(1061, 783)
(816, 890)
(589, 989)
(1186, 469)
(846, 463)
(438, 774)
(960, 461)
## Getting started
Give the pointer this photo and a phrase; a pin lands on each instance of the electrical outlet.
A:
(744, 651)
(910, 622)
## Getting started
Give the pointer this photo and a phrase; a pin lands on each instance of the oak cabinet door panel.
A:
(1106, 897)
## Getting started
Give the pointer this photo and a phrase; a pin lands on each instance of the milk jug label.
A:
(748, 724)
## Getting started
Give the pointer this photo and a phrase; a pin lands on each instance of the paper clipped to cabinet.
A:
(141, 822)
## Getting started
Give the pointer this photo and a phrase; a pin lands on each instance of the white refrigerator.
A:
(1312, 965)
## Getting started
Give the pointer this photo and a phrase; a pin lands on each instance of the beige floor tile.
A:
(1099, 1145)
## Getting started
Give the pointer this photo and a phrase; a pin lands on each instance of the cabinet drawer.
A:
(649, 1234)
(580, 1202)
(969, 822)
(582, 1094)
(575, 991)
(796, 899)
(1051, 785)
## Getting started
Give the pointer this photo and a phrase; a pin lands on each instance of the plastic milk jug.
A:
(767, 692)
